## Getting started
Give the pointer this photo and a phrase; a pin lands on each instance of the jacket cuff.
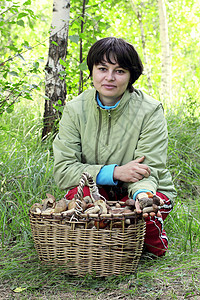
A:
(105, 176)
(140, 191)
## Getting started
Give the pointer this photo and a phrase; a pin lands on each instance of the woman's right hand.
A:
(133, 171)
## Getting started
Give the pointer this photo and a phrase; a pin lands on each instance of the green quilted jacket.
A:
(90, 137)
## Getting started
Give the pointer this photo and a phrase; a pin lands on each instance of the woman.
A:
(118, 134)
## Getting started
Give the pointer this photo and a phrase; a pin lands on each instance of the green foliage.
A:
(95, 25)
(184, 154)
(20, 68)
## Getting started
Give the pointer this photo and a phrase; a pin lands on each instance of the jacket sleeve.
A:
(153, 144)
(68, 165)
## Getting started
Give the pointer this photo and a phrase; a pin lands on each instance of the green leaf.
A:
(28, 2)
(21, 15)
(30, 23)
(53, 42)
(30, 12)
(10, 109)
(63, 73)
(82, 19)
(45, 97)
(21, 56)
(20, 23)
(74, 38)
(62, 62)
(83, 66)
(13, 73)
(36, 64)
(19, 289)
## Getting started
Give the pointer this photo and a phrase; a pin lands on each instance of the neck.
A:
(107, 101)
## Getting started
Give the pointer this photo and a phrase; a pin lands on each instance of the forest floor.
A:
(161, 279)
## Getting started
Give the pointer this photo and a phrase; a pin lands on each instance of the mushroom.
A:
(36, 207)
(84, 205)
(87, 199)
(48, 211)
(144, 202)
(130, 202)
(48, 202)
(51, 196)
(60, 206)
(90, 224)
(102, 206)
(68, 212)
(128, 221)
(153, 208)
(72, 204)
(92, 210)
(157, 200)
(101, 224)
(122, 210)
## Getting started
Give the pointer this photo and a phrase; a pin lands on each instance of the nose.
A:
(110, 76)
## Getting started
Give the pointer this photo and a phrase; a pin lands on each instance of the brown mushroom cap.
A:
(145, 202)
(84, 205)
(102, 206)
(72, 204)
(130, 202)
(48, 203)
(50, 196)
(36, 207)
(157, 200)
(60, 206)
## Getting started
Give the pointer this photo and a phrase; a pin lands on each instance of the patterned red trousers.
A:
(156, 240)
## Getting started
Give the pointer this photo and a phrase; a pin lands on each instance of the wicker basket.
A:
(80, 250)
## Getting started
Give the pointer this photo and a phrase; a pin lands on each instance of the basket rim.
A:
(86, 217)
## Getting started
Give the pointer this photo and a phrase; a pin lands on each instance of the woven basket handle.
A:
(94, 192)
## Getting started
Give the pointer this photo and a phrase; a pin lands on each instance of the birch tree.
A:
(143, 38)
(55, 84)
(166, 76)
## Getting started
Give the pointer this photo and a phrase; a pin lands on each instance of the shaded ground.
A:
(160, 281)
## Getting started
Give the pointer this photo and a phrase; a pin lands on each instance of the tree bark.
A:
(146, 64)
(55, 84)
(81, 49)
(166, 76)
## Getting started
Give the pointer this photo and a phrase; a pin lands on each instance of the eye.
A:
(102, 69)
(120, 71)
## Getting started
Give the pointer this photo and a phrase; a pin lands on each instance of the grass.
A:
(26, 175)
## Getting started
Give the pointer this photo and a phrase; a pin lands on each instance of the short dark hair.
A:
(123, 52)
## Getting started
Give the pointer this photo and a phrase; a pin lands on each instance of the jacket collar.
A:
(122, 103)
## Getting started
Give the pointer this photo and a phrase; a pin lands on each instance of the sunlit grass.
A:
(26, 167)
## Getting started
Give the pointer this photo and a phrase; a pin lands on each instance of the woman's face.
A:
(111, 81)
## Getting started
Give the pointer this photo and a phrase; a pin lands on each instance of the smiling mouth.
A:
(107, 86)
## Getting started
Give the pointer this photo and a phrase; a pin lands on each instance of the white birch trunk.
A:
(166, 76)
(55, 87)
(147, 71)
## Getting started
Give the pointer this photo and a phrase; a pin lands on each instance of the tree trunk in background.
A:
(55, 85)
(166, 76)
(81, 49)
(146, 65)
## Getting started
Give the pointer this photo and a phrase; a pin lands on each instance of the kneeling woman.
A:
(118, 134)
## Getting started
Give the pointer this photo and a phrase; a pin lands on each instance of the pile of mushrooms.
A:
(95, 208)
